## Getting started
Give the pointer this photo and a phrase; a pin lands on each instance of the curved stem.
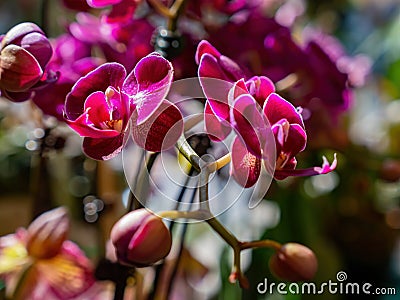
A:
(175, 214)
(261, 244)
(223, 161)
(161, 8)
(188, 152)
(133, 202)
(176, 10)
(181, 248)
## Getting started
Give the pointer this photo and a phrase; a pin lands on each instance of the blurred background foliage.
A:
(350, 218)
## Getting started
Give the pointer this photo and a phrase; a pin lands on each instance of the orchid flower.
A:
(260, 117)
(106, 105)
(41, 261)
(122, 10)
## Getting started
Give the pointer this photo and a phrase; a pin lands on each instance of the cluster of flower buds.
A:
(24, 54)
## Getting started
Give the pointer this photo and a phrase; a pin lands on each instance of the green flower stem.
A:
(204, 212)
(172, 14)
(161, 8)
(176, 10)
(187, 151)
(261, 244)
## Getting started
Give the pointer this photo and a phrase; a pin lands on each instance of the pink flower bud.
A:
(294, 262)
(47, 233)
(140, 238)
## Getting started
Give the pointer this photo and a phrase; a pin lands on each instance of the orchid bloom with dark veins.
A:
(260, 117)
(104, 105)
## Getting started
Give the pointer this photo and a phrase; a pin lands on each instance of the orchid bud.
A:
(24, 54)
(141, 238)
(294, 262)
(390, 170)
(47, 233)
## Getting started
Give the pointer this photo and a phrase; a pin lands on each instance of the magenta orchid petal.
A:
(277, 108)
(148, 84)
(249, 123)
(102, 3)
(231, 69)
(239, 88)
(296, 140)
(217, 129)
(205, 47)
(260, 87)
(103, 148)
(109, 74)
(153, 73)
(161, 130)
(85, 128)
(246, 167)
(217, 93)
(209, 67)
(324, 169)
(97, 108)
(20, 69)
(121, 12)
(290, 138)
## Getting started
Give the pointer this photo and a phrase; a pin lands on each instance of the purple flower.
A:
(279, 124)
(71, 58)
(44, 255)
(213, 65)
(24, 54)
(101, 104)
(323, 75)
(125, 43)
(260, 117)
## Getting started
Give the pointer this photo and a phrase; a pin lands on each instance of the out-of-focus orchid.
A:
(125, 43)
(140, 238)
(322, 80)
(40, 261)
(72, 58)
(24, 54)
(100, 105)
(122, 10)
